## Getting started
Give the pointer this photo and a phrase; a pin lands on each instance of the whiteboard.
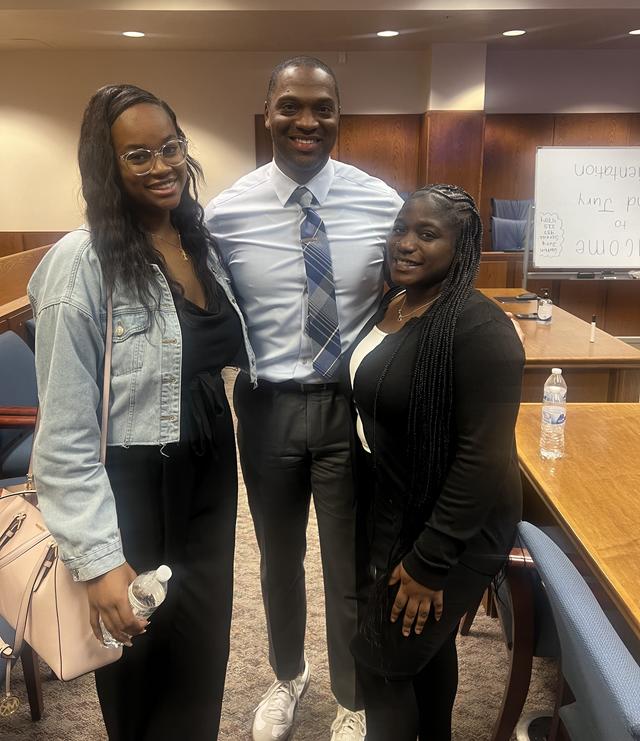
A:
(587, 208)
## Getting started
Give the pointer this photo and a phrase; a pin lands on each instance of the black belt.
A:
(301, 388)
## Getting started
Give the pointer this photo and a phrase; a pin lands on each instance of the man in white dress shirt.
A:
(294, 429)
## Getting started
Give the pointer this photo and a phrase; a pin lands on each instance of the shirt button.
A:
(119, 330)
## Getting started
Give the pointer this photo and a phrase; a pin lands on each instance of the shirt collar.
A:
(319, 184)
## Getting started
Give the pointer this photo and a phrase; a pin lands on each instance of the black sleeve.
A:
(488, 364)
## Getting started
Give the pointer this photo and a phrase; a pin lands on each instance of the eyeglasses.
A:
(142, 161)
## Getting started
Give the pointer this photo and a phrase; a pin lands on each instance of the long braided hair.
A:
(125, 250)
(431, 391)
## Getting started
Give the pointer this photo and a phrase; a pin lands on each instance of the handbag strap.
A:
(42, 565)
(106, 382)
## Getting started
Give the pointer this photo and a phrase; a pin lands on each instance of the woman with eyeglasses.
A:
(167, 492)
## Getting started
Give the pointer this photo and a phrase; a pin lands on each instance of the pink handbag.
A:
(38, 596)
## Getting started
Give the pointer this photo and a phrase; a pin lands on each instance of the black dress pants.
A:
(410, 683)
(293, 444)
(179, 510)
(403, 709)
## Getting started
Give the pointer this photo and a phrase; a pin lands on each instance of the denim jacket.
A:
(69, 301)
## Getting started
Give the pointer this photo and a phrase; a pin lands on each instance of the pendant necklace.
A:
(179, 246)
(402, 317)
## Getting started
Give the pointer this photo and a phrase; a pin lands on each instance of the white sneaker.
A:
(349, 725)
(277, 709)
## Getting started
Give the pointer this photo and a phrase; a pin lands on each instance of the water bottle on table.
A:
(146, 592)
(545, 307)
(554, 414)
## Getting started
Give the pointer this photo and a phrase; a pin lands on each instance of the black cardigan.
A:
(474, 517)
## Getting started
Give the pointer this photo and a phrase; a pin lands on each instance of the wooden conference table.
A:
(593, 492)
(605, 370)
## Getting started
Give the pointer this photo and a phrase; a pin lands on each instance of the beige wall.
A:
(457, 77)
(215, 95)
(561, 81)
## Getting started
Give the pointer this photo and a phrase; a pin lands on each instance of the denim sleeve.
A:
(74, 492)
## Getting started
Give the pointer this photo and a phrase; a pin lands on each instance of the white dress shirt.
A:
(258, 234)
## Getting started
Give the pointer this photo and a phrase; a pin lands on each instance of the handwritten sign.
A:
(587, 208)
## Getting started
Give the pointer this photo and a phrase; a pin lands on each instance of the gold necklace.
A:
(402, 317)
(179, 246)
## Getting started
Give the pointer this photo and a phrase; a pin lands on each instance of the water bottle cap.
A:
(163, 573)
(556, 371)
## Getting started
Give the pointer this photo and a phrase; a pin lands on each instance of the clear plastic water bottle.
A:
(545, 307)
(554, 414)
(146, 592)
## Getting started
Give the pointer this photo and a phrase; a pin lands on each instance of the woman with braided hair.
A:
(436, 378)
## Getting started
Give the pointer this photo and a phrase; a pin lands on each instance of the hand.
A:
(415, 599)
(516, 326)
(108, 599)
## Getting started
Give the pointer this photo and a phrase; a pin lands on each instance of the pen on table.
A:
(592, 337)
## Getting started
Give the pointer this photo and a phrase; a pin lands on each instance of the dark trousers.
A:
(401, 710)
(410, 683)
(293, 444)
(181, 511)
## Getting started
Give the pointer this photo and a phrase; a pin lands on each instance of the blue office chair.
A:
(508, 235)
(17, 389)
(602, 676)
(511, 209)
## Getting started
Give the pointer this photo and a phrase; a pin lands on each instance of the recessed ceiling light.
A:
(515, 32)
(133, 34)
(388, 34)
(635, 33)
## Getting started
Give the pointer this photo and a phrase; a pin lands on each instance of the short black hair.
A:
(300, 61)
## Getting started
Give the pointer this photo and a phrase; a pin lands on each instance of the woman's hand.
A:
(108, 599)
(415, 599)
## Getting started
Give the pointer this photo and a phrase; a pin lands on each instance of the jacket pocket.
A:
(129, 341)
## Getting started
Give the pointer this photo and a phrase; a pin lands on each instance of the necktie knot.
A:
(303, 196)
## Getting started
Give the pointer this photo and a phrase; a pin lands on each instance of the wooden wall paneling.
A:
(592, 129)
(10, 243)
(13, 242)
(508, 167)
(31, 240)
(455, 145)
(512, 277)
(423, 150)
(623, 308)
(492, 274)
(584, 299)
(385, 146)
(634, 129)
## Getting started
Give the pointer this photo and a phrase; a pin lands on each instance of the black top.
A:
(211, 340)
(474, 518)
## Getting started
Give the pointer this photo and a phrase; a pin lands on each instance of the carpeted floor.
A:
(72, 712)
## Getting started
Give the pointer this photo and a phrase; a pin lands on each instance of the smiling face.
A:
(148, 126)
(421, 246)
(302, 115)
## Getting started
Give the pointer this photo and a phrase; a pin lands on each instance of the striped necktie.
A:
(322, 315)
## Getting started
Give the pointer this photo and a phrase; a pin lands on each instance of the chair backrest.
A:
(17, 372)
(17, 388)
(508, 234)
(511, 209)
(602, 674)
